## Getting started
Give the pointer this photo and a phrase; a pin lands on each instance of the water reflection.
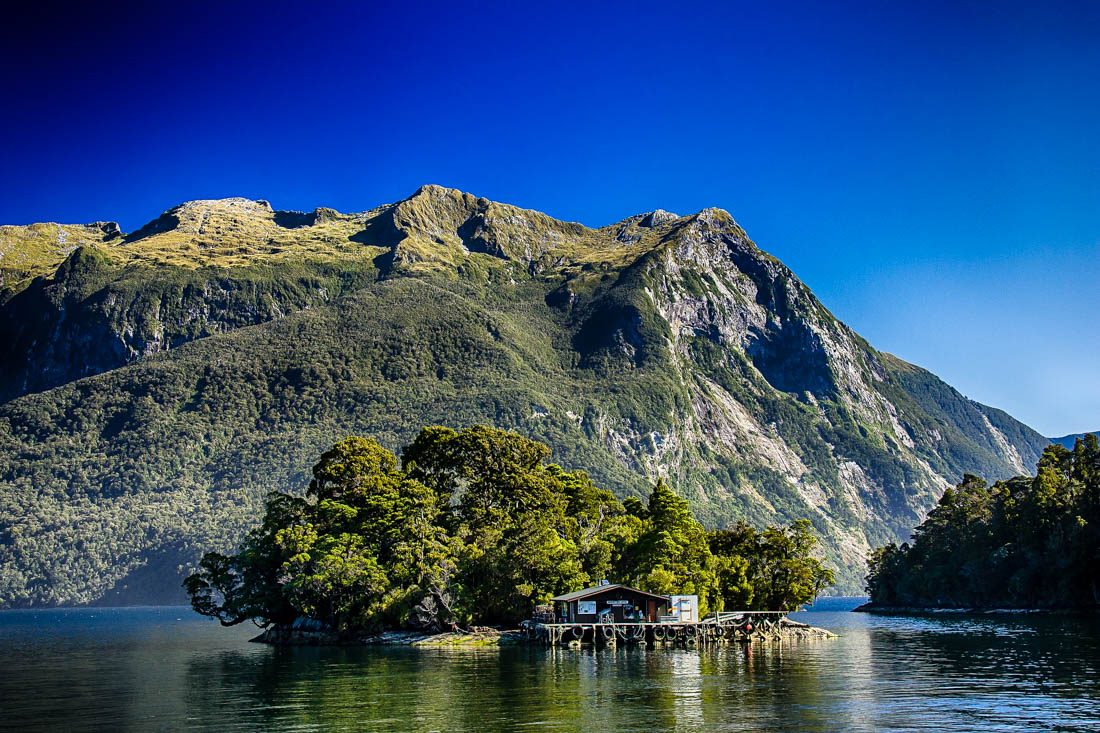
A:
(146, 670)
(776, 686)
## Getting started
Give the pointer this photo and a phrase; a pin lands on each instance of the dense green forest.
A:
(475, 526)
(1028, 542)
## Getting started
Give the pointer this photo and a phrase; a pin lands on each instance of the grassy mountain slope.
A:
(158, 384)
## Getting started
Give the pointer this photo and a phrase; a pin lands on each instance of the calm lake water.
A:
(167, 669)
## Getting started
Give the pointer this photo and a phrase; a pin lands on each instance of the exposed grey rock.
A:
(657, 218)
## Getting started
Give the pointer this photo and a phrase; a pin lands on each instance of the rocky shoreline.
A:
(305, 632)
(793, 630)
(299, 636)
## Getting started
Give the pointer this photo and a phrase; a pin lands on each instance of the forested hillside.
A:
(1028, 542)
(158, 384)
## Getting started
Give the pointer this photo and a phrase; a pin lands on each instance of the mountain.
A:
(156, 385)
(1069, 440)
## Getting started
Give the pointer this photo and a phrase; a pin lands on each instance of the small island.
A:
(1025, 544)
(473, 531)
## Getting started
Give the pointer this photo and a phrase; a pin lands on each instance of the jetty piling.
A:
(721, 628)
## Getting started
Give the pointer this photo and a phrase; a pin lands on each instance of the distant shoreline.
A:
(968, 611)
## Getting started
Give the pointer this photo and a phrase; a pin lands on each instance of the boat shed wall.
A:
(626, 604)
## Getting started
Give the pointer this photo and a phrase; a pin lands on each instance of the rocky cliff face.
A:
(222, 346)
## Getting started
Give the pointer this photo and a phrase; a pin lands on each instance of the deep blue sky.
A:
(931, 170)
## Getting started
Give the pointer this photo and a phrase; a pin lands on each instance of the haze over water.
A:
(167, 669)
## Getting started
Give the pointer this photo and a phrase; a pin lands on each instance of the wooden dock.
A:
(720, 628)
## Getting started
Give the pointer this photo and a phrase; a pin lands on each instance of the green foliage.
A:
(1024, 543)
(671, 554)
(476, 527)
(774, 569)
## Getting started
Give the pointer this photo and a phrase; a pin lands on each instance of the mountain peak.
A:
(438, 225)
(715, 216)
(232, 203)
(201, 215)
(434, 189)
(193, 215)
(656, 218)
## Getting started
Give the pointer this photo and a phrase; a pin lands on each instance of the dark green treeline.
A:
(476, 527)
(1021, 543)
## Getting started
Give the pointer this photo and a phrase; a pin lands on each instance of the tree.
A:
(886, 569)
(671, 555)
(249, 585)
(484, 469)
(787, 574)
(527, 530)
(361, 550)
(334, 578)
(732, 547)
(216, 589)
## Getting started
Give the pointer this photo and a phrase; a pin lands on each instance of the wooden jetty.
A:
(720, 628)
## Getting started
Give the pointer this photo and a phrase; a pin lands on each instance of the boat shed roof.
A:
(598, 589)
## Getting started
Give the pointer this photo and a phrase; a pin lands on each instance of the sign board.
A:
(618, 603)
(586, 607)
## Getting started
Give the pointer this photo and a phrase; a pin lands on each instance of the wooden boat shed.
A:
(610, 602)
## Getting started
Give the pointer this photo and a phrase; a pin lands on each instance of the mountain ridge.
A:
(1069, 440)
(198, 362)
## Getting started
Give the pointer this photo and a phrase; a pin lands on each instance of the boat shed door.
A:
(651, 615)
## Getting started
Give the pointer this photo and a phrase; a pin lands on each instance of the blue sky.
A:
(931, 170)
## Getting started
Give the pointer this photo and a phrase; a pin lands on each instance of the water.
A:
(167, 669)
